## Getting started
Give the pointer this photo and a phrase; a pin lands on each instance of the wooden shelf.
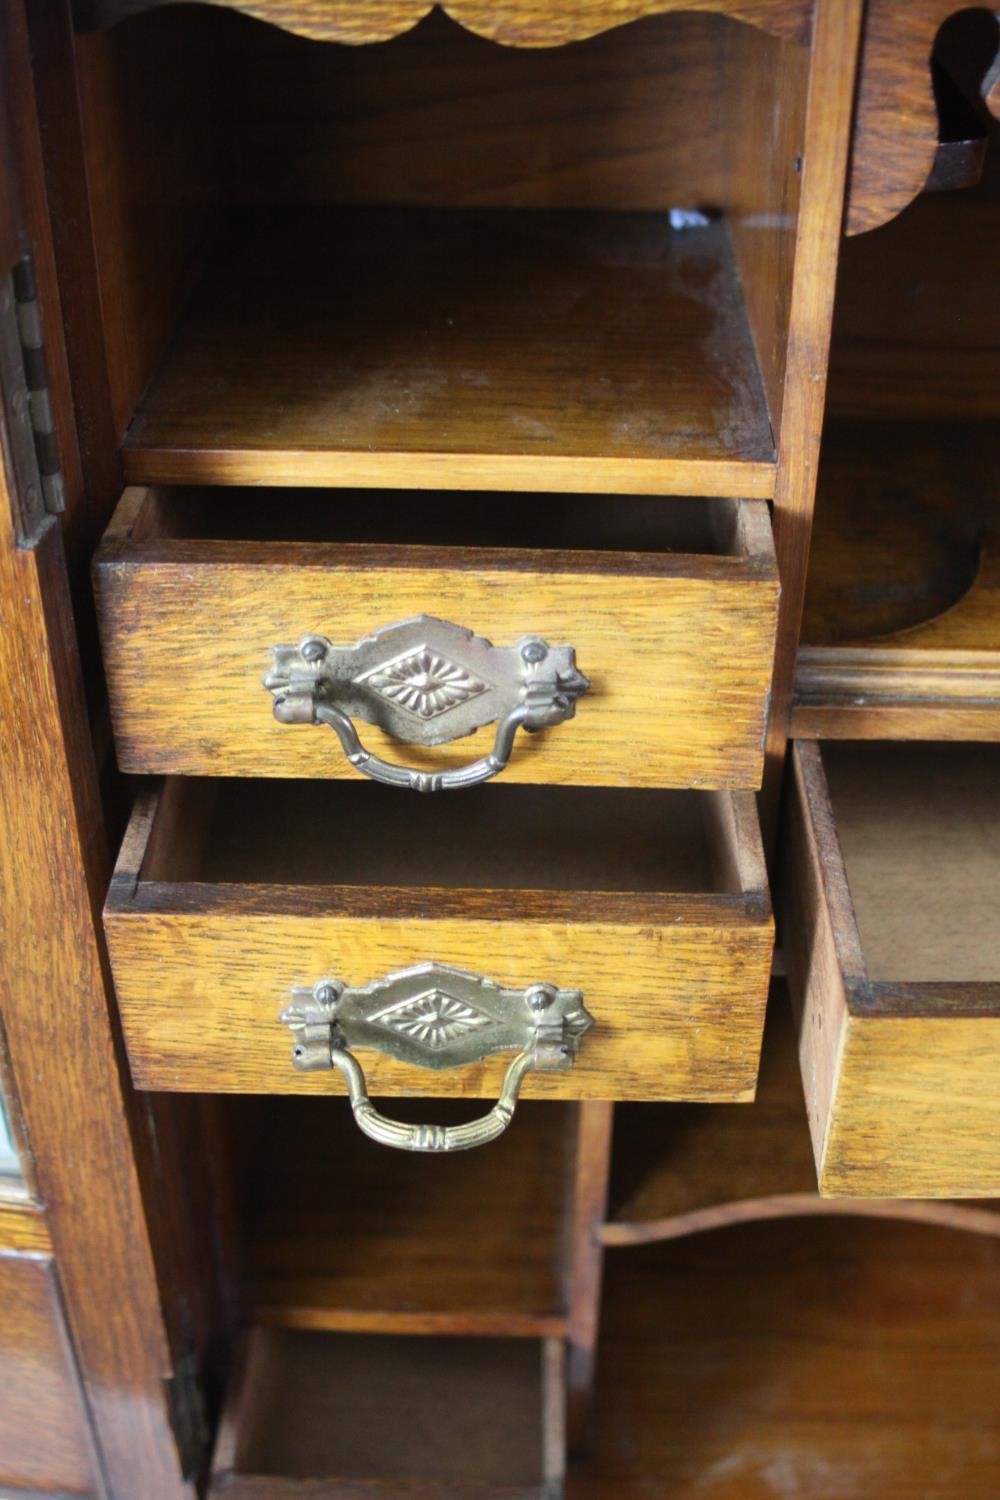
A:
(312, 1414)
(901, 635)
(826, 1360)
(681, 1169)
(491, 349)
(342, 1234)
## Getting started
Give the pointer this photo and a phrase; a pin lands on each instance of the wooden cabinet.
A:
(434, 395)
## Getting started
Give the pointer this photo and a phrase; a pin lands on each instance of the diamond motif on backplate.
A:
(434, 1018)
(423, 681)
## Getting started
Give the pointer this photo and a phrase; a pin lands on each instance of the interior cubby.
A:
(901, 631)
(438, 261)
(335, 1233)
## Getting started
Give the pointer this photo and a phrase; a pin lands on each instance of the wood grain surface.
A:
(441, 117)
(684, 1169)
(828, 111)
(500, 351)
(45, 1438)
(341, 1234)
(896, 124)
(900, 1072)
(676, 980)
(678, 650)
(901, 634)
(917, 328)
(515, 23)
(810, 1358)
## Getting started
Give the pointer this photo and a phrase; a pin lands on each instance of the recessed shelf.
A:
(465, 348)
(342, 1234)
(825, 1359)
(312, 1414)
(901, 634)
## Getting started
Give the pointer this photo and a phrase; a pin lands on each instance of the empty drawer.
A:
(234, 900)
(892, 934)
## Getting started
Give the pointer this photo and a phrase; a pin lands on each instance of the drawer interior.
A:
(260, 833)
(919, 828)
(442, 519)
(384, 1410)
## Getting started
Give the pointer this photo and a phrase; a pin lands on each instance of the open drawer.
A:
(892, 935)
(235, 900)
(369, 1416)
(382, 608)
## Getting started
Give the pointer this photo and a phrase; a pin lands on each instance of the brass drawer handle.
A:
(426, 682)
(436, 1017)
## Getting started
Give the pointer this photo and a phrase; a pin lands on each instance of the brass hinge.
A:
(188, 1415)
(37, 479)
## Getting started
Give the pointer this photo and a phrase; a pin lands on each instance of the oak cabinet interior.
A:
(437, 261)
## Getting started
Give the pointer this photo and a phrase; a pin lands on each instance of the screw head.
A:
(313, 649)
(539, 997)
(327, 994)
(534, 651)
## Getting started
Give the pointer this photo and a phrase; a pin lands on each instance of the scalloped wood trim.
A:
(513, 23)
(896, 125)
(973, 1220)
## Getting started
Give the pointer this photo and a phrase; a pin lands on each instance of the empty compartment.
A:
(825, 1359)
(440, 261)
(459, 1415)
(893, 923)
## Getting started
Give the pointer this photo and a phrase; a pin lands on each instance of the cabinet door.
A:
(44, 1434)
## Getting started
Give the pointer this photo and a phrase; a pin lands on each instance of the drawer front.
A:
(678, 650)
(677, 1001)
(902, 1080)
(206, 957)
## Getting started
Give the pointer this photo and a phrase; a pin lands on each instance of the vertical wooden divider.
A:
(585, 1258)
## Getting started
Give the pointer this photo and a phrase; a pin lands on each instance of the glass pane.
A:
(9, 1164)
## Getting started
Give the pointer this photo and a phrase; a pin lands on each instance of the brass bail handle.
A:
(434, 1138)
(436, 1017)
(426, 681)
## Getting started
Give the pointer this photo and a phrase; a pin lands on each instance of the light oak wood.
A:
(307, 1414)
(515, 23)
(828, 107)
(684, 1169)
(892, 956)
(766, 149)
(23, 1228)
(505, 351)
(614, 896)
(677, 646)
(810, 1358)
